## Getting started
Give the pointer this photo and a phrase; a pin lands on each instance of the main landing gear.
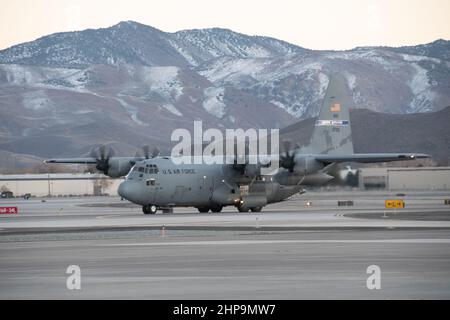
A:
(247, 209)
(214, 209)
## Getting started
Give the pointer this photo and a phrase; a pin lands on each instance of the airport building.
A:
(58, 184)
(422, 178)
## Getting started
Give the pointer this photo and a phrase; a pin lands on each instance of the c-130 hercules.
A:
(158, 183)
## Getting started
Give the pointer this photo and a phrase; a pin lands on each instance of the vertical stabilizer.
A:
(332, 131)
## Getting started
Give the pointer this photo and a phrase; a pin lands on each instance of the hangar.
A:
(59, 184)
(420, 178)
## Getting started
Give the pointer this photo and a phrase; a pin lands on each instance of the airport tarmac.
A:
(290, 250)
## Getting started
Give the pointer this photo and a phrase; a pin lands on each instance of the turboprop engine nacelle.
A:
(118, 167)
(307, 164)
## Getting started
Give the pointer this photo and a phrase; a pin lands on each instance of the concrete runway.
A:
(288, 251)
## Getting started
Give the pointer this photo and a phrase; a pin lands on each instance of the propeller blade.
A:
(287, 147)
(94, 152)
(155, 152)
(101, 150)
(287, 158)
(146, 151)
(102, 156)
(111, 153)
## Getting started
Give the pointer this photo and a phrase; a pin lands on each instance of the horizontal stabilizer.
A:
(72, 160)
(369, 157)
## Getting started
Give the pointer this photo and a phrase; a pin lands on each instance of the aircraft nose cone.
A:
(130, 190)
(122, 190)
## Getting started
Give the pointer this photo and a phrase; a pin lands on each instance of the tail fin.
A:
(332, 131)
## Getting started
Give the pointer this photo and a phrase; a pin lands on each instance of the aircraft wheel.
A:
(203, 209)
(149, 209)
(256, 209)
(243, 209)
(216, 209)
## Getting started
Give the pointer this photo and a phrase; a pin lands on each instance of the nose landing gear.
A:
(149, 209)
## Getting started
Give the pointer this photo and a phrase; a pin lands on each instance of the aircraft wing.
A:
(369, 157)
(72, 160)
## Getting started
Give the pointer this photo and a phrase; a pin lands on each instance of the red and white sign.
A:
(8, 210)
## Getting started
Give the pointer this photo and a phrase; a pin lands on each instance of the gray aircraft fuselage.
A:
(164, 184)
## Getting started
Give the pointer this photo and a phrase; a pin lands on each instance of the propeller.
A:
(287, 157)
(146, 152)
(343, 175)
(102, 155)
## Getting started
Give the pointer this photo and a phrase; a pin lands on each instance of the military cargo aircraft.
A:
(158, 183)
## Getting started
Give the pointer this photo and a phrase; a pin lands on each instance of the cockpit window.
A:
(147, 169)
(152, 169)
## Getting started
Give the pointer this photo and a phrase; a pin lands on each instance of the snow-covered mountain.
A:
(134, 43)
(381, 80)
(132, 84)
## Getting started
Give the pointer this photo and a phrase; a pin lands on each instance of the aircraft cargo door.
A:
(152, 189)
(205, 188)
(178, 196)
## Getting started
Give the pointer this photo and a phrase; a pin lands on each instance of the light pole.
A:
(48, 180)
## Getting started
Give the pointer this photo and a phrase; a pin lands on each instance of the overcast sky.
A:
(315, 24)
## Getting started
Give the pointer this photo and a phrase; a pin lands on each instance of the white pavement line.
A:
(105, 216)
(239, 242)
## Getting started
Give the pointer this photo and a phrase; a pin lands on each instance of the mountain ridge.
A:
(110, 42)
(135, 25)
